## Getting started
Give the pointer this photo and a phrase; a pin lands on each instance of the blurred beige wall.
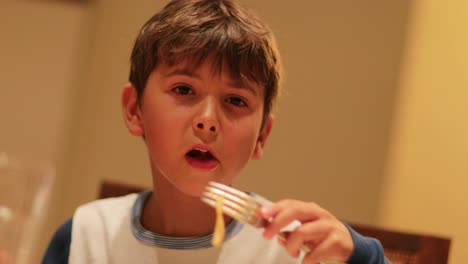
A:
(343, 135)
(39, 53)
(41, 47)
(426, 176)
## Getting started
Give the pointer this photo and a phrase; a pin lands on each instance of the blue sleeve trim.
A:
(367, 250)
(59, 247)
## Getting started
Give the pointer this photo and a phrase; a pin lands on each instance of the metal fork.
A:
(241, 206)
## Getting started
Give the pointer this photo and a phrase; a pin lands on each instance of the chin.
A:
(191, 189)
(195, 185)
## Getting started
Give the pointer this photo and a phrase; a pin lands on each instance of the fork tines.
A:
(236, 204)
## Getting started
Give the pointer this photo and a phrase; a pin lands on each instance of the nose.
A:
(201, 126)
(206, 121)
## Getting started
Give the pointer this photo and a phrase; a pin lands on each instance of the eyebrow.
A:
(236, 83)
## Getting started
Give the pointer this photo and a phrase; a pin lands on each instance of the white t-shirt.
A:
(110, 231)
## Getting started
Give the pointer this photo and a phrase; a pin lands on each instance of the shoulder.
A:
(59, 247)
(103, 214)
(104, 207)
(91, 221)
(109, 205)
(96, 225)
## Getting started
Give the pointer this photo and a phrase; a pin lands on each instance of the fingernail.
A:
(265, 211)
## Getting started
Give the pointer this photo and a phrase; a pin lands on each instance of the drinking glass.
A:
(24, 190)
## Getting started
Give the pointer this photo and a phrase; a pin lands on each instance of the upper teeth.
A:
(201, 150)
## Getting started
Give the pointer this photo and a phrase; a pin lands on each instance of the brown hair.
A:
(219, 29)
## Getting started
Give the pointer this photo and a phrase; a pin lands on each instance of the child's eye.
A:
(183, 90)
(236, 100)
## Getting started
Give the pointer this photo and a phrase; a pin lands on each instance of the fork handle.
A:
(306, 249)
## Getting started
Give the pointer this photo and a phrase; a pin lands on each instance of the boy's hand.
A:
(327, 237)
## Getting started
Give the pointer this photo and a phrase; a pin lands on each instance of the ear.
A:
(131, 110)
(262, 138)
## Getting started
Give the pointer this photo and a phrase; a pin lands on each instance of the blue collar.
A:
(154, 239)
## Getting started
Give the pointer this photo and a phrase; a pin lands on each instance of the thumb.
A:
(268, 211)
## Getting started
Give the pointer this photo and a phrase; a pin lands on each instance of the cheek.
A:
(163, 116)
(161, 126)
(240, 141)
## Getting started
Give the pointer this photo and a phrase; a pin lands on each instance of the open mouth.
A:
(200, 154)
(201, 158)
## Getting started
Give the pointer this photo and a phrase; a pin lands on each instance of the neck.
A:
(170, 212)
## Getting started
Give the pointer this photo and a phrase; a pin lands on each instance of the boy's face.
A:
(199, 125)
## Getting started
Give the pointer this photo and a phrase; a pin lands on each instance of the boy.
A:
(204, 76)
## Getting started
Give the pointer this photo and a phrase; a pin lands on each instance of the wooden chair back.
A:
(114, 189)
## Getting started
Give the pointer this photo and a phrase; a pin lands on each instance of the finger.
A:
(280, 240)
(303, 211)
(271, 210)
(268, 211)
(282, 214)
(286, 211)
(293, 245)
(310, 233)
(284, 241)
